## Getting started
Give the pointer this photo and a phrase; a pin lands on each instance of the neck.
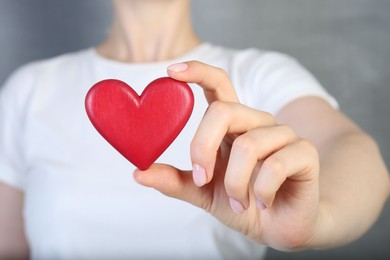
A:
(149, 30)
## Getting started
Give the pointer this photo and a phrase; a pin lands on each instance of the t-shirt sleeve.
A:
(13, 103)
(274, 79)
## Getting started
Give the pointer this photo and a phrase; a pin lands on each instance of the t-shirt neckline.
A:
(197, 51)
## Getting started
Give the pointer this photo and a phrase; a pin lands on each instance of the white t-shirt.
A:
(80, 199)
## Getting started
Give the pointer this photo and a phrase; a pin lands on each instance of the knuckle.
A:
(222, 78)
(264, 191)
(287, 130)
(309, 148)
(268, 117)
(219, 109)
(312, 158)
(233, 188)
(245, 144)
(274, 165)
(222, 73)
(260, 192)
(200, 147)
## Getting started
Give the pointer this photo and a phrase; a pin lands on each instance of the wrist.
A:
(321, 233)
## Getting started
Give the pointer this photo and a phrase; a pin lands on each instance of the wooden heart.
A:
(142, 127)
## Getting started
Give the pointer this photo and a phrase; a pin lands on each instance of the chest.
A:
(80, 196)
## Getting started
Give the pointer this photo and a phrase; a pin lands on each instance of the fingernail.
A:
(199, 175)
(260, 204)
(178, 67)
(237, 207)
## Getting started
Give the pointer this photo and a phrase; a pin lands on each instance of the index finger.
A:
(214, 81)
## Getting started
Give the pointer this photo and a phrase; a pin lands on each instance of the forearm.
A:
(354, 186)
(13, 243)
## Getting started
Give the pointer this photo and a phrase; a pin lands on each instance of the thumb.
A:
(174, 183)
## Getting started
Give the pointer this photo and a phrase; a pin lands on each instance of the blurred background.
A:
(344, 43)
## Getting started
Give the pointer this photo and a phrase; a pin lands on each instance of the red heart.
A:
(140, 127)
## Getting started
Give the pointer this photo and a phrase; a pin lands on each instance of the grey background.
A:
(345, 43)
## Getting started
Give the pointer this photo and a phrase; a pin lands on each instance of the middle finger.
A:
(246, 151)
(222, 118)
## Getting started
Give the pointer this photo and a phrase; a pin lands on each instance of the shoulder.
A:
(21, 85)
(28, 74)
(252, 57)
(36, 69)
(258, 65)
(268, 80)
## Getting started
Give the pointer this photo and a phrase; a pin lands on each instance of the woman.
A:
(274, 163)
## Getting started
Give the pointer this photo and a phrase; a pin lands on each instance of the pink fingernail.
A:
(237, 207)
(199, 175)
(178, 67)
(260, 204)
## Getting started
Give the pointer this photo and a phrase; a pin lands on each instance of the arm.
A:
(13, 244)
(300, 185)
(354, 182)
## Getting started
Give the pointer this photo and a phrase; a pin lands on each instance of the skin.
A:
(263, 178)
(303, 178)
(13, 244)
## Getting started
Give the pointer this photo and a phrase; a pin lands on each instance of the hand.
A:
(253, 175)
